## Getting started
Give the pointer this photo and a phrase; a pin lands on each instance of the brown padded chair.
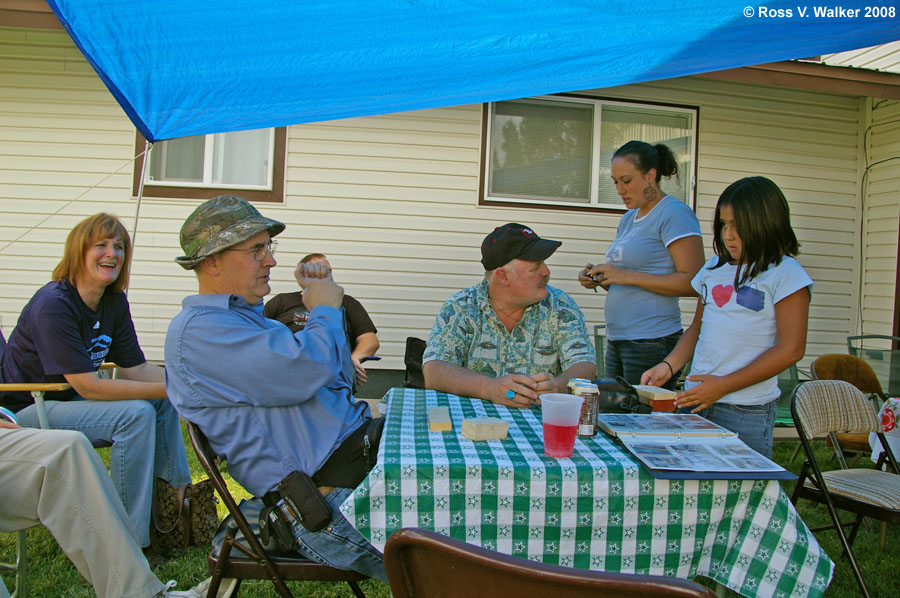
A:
(424, 564)
(837, 366)
(250, 560)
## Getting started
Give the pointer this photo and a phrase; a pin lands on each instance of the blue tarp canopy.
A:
(190, 67)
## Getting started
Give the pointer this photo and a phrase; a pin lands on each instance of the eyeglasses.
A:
(259, 251)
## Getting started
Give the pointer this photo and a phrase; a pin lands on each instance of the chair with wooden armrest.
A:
(37, 390)
(20, 567)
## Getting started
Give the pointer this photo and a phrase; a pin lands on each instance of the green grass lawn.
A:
(52, 575)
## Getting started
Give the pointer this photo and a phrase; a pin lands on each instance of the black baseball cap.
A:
(512, 241)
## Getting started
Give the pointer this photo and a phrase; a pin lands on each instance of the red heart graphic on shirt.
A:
(721, 294)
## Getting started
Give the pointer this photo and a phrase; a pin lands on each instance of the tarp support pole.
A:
(148, 147)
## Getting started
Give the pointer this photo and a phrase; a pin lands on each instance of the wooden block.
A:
(659, 399)
(485, 428)
(439, 419)
(654, 393)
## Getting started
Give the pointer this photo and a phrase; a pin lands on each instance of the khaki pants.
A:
(55, 478)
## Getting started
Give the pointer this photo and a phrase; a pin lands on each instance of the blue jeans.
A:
(340, 545)
(631, 358)
(752, 423)
(137, 430)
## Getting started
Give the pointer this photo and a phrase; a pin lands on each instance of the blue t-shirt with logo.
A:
(642, 245)
(58, 334)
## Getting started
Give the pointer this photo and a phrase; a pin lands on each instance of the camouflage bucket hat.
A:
(220, 223)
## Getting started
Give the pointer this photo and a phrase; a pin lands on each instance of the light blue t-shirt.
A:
(641, 245)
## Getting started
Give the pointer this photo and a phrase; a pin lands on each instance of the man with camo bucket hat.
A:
(276, 404)
(218, 224)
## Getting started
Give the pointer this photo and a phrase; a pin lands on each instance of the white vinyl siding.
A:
(393, 200)
(65, 153)
(881, 216)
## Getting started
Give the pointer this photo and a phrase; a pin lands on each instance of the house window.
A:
(245, 163)
(556, 151)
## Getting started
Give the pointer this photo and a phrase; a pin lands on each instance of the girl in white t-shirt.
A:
(751, 316)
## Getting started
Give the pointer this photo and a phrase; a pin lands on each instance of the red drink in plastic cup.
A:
(559, 441)
(560, 414)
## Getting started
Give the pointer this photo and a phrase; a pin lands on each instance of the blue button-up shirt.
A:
(269, 400)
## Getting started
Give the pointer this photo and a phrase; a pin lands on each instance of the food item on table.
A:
(439, 419)
(485, 428)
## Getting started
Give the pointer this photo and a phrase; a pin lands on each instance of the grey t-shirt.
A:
(641, 245)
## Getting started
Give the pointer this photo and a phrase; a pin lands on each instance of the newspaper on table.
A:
(685, 442)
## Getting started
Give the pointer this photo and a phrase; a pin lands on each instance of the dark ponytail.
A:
(645, 156)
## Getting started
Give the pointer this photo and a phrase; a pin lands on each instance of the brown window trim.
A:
(485, 146)
(276, 195)
(28, 14)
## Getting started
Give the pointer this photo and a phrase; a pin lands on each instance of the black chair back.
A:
(412, 358)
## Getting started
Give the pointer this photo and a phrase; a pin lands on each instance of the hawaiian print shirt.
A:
(551, 337)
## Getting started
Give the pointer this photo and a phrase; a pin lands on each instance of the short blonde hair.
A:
(88, 231)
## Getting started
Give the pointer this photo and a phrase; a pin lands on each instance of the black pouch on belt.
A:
(302, 495)
(350, 463)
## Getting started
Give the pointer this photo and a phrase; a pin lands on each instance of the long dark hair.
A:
(645, 156)
(763, 221)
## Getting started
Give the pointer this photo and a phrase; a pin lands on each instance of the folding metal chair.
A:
(253, 562)
(837, 366)
(828, 407)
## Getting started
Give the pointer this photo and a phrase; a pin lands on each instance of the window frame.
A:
(484, 198)
(179, 190)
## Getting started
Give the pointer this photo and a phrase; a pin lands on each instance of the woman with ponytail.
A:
(657, 251)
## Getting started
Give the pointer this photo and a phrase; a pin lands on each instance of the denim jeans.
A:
(340, 545)
(137, 429)
(631, 358)
(752, 423)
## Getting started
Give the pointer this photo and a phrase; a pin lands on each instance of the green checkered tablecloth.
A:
(597, 510)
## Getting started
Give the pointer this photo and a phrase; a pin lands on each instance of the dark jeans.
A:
(631, 358)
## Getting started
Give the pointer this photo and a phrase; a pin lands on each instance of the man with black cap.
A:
(511, 337)
(275, 403)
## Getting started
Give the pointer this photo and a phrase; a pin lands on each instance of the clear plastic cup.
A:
(560, 413)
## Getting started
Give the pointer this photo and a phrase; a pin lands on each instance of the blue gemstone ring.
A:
(510, 394)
